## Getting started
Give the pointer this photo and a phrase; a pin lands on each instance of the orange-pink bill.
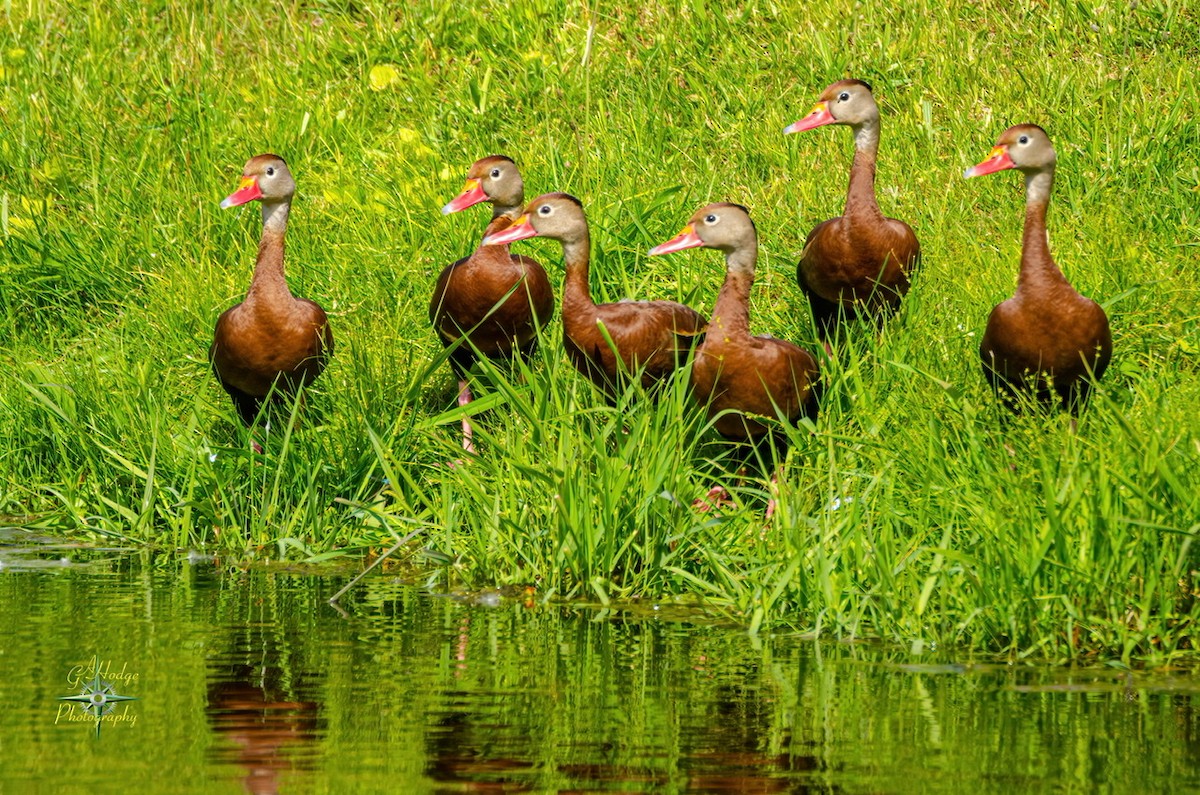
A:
(247, 191)
(520, 230)
(998, 160)
(471, 195)
(687, 238)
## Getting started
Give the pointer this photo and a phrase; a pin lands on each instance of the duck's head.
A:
(723, 226)
(1025, 147)
(265, 178)
(844, 102)
(558, 216)
(494, 179)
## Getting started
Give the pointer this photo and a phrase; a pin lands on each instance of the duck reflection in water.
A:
(484, 738)
(730, 751)
(266, 730)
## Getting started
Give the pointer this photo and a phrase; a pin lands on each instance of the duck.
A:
(861, 262)
(606, 343)
(490, 303)
(1047, 341)
(272, 343)
(739, 377)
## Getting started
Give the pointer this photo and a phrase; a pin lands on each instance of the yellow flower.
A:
(383, 76)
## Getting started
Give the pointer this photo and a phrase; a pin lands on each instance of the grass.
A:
(914, 510)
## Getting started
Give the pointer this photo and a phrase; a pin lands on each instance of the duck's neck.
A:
(510, 211)
(731, 314)
(269, 284)
(1038, 270)
(576, 254)
(860, 197)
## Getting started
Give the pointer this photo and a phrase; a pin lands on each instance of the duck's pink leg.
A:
(716, 497)
(771, 503)
(464, 398)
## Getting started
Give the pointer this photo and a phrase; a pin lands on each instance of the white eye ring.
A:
(270, 171)
(1024, 139)
(545, 209)
(711, 219)
(844, 96)
(495, 173)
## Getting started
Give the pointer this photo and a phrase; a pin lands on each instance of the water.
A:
(249, 681)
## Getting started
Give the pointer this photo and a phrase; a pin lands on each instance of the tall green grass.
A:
(915, 509)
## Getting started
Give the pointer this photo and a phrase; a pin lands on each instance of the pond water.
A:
(250, 681)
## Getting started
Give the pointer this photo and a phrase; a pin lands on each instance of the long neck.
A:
(576, 254)
(510, 211)
(860, 198)
(731, 314)
(269, 283)
(1037, 266)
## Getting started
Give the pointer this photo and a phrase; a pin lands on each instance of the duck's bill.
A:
(816, 117)
(518, 231)
(247, 191)
(472, 194)
(998, 160)
(685, 239)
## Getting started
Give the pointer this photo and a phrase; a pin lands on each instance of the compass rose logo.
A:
(97, 697)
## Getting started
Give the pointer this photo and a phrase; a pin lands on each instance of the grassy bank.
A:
(912, 510)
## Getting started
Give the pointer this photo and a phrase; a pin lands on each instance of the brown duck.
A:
(605, 342)
(860, 262)
(738, 376)
(490, 303)
(735, 371)
(1047, 340)
(271, 339)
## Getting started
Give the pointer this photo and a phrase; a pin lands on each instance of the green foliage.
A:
(913, 510)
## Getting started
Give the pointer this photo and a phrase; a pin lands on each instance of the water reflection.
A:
(484, 740)
(727, 754)
(262, 694)
(250, 681)
(267, 731)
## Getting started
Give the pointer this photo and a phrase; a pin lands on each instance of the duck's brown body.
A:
(1051, 345)
(650, 337)
(750, 375)
(1047, 341)
(607, 342)
(859, 263)
(271, 339)
(735, 371)
(497, 300)
(856, 264)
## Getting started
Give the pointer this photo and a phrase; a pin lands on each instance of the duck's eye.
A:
(844, 96)
(710, 219)
(270, 171)
(1024, 139)
(545, 209)
(495, 173)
